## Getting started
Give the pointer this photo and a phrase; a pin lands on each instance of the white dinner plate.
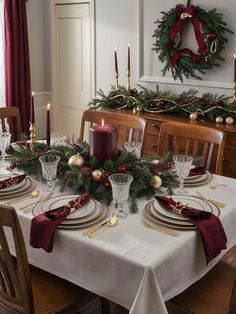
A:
(188, 200)
(62, 200)
(29, 186)
(202, 180)
(158, 218)
(12, 187)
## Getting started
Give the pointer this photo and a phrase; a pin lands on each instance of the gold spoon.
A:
(94, 231)
(33, 194)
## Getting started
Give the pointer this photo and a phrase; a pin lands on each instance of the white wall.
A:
(40, 58)
(119, 22)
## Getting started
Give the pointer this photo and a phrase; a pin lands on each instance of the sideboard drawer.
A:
(153, 127)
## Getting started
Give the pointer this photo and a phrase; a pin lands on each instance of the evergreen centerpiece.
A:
(207, 107)
(82, 173)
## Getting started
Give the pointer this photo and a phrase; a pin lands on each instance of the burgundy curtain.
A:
(17, 65)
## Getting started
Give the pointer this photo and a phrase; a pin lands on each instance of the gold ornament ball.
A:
(156, 182)
(193, 116)
(76, 160)
(97, 175)
(219, 119)
(229, 120)
(139, 108)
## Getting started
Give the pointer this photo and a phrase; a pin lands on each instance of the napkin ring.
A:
(177, 208)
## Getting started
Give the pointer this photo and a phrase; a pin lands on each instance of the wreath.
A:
(209, 29)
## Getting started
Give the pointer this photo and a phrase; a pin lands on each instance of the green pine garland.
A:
(212, 29)
(80, 180)
(207, 107)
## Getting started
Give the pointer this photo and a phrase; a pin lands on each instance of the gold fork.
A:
(214, 202)
(168, 231)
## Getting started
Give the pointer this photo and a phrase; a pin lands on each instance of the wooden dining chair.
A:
(195, 140)
(27, 289)
(13, 114)
(215, 293)
(130, 127)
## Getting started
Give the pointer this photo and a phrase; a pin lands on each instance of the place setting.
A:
(89, 214)
(15, 186)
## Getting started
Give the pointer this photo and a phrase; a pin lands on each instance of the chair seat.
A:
(210, 295)
(57, 295)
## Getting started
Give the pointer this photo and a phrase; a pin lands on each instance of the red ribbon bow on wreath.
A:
(178, 27)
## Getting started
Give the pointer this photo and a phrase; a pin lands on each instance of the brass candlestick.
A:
(117, 79)
(32, 130)
(234, 91)
(128, 80)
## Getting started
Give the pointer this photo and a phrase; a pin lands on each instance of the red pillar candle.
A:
(32, 117)
(103, 142)
(234, 67)
(48, 140)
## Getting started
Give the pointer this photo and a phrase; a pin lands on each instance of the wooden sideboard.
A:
(154, 122)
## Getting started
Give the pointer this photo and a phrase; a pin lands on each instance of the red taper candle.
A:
(48, 140)
(32, 116)
(128, 67)
(234, 67)
(116, 63)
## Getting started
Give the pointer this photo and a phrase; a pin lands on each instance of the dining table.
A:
(136, 267)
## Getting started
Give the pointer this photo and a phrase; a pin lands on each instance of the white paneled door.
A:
(73, 74)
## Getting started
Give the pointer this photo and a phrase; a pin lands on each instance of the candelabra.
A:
(32, 130)
(128, 80)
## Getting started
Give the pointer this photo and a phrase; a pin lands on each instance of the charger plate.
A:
(171, 221)
(96, 212)
(202, 180)
(28, 187)
(189, 200)
(12, 187)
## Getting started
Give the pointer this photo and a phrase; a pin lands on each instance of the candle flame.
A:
(48, 106)
(128, 45)
(102, 122)
(32, 94)
(234, 56)
(115, 48)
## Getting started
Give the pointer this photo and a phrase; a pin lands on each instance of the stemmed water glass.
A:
(5, 140)
(182, 165)
(133, 147)
(120, 184)
(49, 169)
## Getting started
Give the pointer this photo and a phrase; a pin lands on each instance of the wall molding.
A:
(171, 81)
(142, 77)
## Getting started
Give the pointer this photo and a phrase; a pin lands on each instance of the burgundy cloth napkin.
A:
(197, 171)
(44, 225)
(210, 227)
(10, 181)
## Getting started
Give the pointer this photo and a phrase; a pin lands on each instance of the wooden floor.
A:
(230, 257)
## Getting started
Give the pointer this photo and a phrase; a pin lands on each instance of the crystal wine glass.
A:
(133, 147)
(5, 140)
(182, 165)
(120, 183)
(49, 169)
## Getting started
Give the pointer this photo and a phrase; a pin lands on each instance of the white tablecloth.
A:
(136, 267)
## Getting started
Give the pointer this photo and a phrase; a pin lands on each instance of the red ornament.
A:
(211, 36)
(159, 103)
(107, 185)
(86, 171)
(12, 165)
(105, 176)
(122, 169)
